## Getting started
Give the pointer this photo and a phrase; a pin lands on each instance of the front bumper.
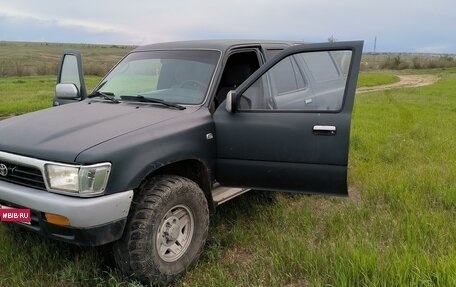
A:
(93, 221)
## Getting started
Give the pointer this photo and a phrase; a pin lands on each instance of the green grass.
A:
(374, 79)
(28, 260)
(20, 95)
(396, 229)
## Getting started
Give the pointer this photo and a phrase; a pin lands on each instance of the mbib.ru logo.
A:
(15, 215)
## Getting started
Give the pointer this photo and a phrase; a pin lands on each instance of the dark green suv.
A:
(172, 131)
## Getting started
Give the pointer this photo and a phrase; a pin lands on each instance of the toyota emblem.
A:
(3, 169)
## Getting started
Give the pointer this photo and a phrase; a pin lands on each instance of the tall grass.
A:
(432, 63)
(401, 61)
(31, 59)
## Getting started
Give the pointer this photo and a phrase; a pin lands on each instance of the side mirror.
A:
(230, 103)
(70, 79)
(66, 91)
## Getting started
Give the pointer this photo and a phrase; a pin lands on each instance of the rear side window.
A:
(307, 81)
(321, 65)
(286, 77)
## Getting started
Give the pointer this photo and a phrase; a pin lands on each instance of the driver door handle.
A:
(324, 130)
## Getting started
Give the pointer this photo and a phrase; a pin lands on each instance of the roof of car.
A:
(221, 45)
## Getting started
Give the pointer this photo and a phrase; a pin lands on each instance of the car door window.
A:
(239, 66)
(310, 81)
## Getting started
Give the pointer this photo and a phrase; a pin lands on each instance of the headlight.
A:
(80, 180)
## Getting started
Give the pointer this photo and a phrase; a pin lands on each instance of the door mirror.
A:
(70, 79)
(66, 91)
(230, 103)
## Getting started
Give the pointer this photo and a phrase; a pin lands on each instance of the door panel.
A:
(291, 128)
(284, 176)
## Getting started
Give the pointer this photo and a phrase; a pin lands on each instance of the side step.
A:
(221, 194)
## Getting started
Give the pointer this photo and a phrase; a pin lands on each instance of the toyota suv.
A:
(173, 131)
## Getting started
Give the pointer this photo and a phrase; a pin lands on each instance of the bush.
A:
(46, 69)
(20, 69)
(95, 69)
(418, 62)
(393, 63)
(3, 69)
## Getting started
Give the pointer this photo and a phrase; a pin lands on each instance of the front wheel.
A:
(166, 230)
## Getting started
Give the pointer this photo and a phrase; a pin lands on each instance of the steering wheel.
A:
(192, 84)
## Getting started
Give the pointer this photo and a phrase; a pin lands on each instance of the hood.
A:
(61, 133)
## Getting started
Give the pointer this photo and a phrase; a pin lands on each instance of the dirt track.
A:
(405, 81)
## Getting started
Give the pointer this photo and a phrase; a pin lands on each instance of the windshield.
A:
(174, 76)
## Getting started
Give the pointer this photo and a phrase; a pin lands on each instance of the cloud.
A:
(17, 25)
(433, 49)
(398, 25)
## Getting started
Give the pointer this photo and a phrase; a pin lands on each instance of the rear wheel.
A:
(166, 230)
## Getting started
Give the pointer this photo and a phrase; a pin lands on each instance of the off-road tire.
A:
(136, 252)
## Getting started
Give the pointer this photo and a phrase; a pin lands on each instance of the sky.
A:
(398, 25)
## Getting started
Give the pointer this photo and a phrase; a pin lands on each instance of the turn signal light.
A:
(57, 219)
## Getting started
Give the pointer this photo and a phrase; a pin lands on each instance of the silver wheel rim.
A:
(175, 233)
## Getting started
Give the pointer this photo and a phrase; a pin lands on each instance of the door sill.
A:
(222, 194)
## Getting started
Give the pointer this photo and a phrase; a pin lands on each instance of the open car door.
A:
(287, 127)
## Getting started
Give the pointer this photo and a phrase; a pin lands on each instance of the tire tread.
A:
(130, 249)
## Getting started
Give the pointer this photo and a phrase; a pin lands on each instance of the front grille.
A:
(24, 175)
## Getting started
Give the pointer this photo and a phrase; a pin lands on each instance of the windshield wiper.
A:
(143, 99)
(105, 96)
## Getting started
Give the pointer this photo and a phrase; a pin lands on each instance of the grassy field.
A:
(28, 59)
(31, 59)
(396, 228)
(20, 95)
(370, 79)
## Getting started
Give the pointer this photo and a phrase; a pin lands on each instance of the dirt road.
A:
(405, 81)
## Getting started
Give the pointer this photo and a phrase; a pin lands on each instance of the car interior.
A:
(238, 68)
